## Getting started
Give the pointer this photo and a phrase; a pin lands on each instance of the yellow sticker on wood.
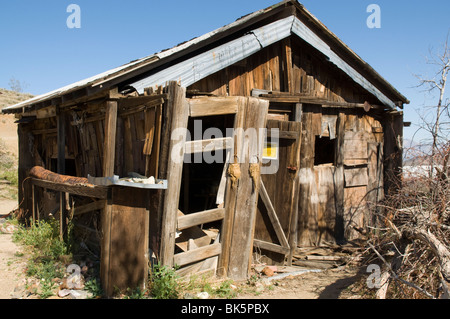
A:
(270, 150)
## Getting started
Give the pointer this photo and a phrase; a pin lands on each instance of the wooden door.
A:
(275, 232)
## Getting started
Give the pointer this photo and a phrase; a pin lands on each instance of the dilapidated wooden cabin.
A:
(332, 148)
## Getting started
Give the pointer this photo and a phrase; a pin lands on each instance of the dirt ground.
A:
(11, 263)
(328, 284)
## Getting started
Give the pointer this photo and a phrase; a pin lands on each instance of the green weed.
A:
(46, 251)
(164, 283)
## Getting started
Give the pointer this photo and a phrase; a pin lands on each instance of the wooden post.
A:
(61, 140)
(33, 202)
(339, 226)
(109, 149)
(287, 66)
(393, 152)
(298, 112)
(179, 109)
(239, 231)
(230, 196)
(26, 162)
(61, 169)
(108, 170)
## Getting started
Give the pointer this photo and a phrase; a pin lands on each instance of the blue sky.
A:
(38, 49)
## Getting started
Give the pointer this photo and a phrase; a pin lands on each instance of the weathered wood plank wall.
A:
(268, 69)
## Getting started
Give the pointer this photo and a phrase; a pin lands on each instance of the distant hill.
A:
(8, 127)
(415, 153)
(8, 98)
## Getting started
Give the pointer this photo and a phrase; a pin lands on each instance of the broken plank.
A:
(270, 246)
(325, 258)
(187, 221)
(198, 254)
(273, 217)
(209, 145)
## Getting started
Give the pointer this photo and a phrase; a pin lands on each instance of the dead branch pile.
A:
(411, 243)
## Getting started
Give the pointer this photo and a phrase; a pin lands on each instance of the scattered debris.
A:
(7, 228)
(203, 295)
(269, 271)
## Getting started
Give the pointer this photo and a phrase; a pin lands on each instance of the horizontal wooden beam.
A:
(148, 100)
(215, 144)
(44, 131)
(323, 103)
(270, 246)
(198, 254)
(42, 113)
(287, 97)
(97, 205)
(208, 216)
(100, 192)
(288, 135)
(208, 106)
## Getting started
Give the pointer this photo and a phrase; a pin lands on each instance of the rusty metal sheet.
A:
(41, 173)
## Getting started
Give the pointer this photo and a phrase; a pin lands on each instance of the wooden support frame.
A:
(61, 166)
(242, 193)
(110, 138)
(180, 114)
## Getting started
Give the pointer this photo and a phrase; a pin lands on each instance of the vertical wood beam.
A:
(180, 114)
(61, 168)
(61, 140)
(338, 179)
(287, 66)
(108, 171)
(26, 162)
(243, 215)
(293, 227)
(33, 202)
(230, 196)
(393, 152)
(109, 148)
(298, 112)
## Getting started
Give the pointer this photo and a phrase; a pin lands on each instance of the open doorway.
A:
(203, 172)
